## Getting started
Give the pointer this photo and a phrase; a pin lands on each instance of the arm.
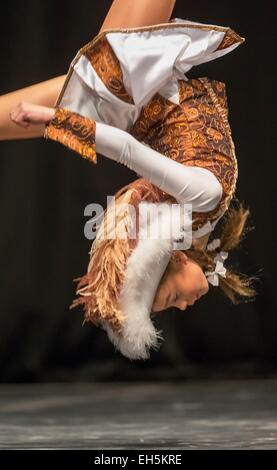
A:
(122, 13)
(132, 13)
(188, 185)
(44, 94)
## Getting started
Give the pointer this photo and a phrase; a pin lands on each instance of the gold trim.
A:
(165, 26)
(138, 29)
(229, 39)
(69, 73)
(106, 65)
(222, 113)
(73, 131)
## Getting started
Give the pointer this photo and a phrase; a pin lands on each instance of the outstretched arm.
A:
(44, 94)
(191, 185)
(122, 14)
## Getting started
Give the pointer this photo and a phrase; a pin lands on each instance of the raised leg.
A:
(135, 13)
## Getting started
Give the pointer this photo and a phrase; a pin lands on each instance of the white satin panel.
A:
(151, 61)
(86, 94)
(148, 58)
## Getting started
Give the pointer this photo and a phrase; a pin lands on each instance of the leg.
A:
(135, 13)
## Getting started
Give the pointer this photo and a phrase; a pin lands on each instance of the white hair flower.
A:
(219, 270)
(214, 244)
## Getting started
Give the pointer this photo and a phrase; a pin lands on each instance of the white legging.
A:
(190, 185)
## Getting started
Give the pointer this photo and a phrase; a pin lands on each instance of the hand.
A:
(26, 113)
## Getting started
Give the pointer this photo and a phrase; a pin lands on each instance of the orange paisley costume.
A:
(181, 118)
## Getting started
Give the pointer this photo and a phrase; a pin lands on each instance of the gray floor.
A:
(198, 415)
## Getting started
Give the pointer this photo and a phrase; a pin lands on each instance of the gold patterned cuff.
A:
(73, 130)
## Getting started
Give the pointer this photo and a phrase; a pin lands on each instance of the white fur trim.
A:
(144, 270)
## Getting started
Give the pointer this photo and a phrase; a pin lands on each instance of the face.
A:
(181, 285)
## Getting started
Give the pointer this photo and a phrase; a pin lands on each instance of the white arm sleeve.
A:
(190, 185)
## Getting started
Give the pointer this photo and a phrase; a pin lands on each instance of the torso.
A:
(194, 132)
(192, 128)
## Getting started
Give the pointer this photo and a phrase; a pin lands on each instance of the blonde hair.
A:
(237, 286)
(98, 290)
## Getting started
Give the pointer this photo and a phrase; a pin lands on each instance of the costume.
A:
(127, 97)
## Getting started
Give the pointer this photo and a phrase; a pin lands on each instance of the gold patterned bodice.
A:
(195, 132)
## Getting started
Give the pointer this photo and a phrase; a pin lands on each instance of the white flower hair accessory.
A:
(214, 244)
(220, 270)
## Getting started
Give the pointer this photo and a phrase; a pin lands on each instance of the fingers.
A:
(19, 114)
(28, 113)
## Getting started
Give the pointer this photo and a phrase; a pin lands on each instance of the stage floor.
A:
(161, 415)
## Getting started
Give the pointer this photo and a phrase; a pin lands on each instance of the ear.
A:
(180, 257)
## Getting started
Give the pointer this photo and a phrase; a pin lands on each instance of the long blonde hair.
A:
(237, 286)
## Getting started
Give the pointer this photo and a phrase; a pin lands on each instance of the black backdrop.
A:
(44, 189)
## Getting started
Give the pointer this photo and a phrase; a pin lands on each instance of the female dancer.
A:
(127, 97)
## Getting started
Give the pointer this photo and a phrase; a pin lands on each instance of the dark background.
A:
(44, 189)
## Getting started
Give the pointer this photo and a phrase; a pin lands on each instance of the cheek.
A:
(184, 282)
(190, 279)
